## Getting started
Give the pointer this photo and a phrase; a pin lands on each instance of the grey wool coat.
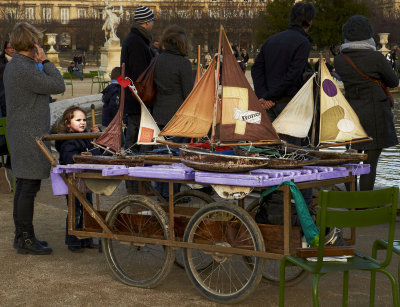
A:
(27, 92)
(173, 78)
(367, 98)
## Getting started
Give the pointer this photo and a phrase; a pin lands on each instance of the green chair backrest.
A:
(67, 75)
(357, 209)
(3, 129)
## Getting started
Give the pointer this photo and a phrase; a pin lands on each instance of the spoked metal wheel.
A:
(189, 199)
(138, 264)
(225, 278)
(271, 272)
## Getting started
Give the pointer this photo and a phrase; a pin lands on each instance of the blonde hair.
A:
(24, 36)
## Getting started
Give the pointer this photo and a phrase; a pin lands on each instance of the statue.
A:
(113, 18)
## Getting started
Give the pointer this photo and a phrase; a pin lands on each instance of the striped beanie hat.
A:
(143, 14)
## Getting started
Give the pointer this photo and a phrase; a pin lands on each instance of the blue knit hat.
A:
(143, 14)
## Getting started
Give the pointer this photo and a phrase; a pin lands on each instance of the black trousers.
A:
(367, 181)
(24, 199)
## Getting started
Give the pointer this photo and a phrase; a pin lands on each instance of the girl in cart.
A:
(74, 121)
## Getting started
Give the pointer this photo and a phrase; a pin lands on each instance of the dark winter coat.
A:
(174, 81)
(278, 69)
(28, 113)
(3, 62)
(136, 55)
(111, 96)
(70, 148)
(367, 98)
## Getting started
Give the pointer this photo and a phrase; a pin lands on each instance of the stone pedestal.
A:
(53, 57)
(383, 40)
(110, 55)
(52, 54)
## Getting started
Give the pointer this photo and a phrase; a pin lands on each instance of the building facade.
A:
(78, 23)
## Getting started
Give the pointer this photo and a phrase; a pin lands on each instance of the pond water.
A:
(388, 172)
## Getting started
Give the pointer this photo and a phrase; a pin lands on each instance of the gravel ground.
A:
(67, 279)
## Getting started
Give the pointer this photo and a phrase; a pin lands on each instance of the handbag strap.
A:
(148, 68)
(347, 58)
(381, 84)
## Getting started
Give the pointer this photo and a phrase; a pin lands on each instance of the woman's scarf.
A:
(368, 44)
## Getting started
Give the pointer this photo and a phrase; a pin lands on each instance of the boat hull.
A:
(129, 161)
(205, 160)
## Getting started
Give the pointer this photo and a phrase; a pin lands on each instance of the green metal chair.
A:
(98, 78)
(383, 244)
(68, 82)
(340, 209)
(3, 131)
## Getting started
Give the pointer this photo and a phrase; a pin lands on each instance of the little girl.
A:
(74, 121)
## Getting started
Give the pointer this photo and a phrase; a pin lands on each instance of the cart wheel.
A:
(271, 272)
(192, 199)
(225, 278)
(138, 264)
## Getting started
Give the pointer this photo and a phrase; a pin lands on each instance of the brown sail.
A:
(112, 136)
(243, 118)
(194, 118)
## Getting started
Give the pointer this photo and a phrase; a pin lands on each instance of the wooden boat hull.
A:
(331, 158)
(130, 161)
(205, 160)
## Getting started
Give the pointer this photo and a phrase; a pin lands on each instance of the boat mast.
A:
(314, 125)
(214, 122)
(198, 63)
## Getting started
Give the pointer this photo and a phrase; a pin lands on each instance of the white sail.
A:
(338, 121)
(148, 130)
(295, 120)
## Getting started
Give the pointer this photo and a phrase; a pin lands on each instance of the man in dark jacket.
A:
(278, 69)
(136, 55)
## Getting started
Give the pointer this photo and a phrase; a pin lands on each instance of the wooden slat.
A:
(329, 251)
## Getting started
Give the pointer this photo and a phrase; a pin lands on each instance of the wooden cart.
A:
(224, 251)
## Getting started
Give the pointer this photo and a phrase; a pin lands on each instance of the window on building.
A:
(82, 13)
(98, 13)
(182, 13)
(198, 13)
(64, 15)
(213, 13)
(30, 13)
(11, 13)
(46, 16)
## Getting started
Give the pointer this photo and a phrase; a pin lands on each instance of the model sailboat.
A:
(237, 118)
(338, 122)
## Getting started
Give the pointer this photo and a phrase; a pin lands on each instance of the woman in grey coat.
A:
(366, 97)
(27, 92)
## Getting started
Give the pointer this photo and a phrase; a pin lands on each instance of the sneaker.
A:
(5, 185)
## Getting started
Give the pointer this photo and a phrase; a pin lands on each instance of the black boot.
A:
(18, 233)
(27, 244)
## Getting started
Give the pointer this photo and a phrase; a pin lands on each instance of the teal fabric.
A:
(310, 230)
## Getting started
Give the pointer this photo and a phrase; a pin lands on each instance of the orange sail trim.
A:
(194, 118)
(243, 118)
(112, 136)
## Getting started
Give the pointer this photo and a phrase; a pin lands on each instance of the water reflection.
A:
(388, 172)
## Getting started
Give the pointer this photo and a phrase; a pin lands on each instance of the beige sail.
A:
(148, 129)
(338, 121)
(194, 117)
(295, 120)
